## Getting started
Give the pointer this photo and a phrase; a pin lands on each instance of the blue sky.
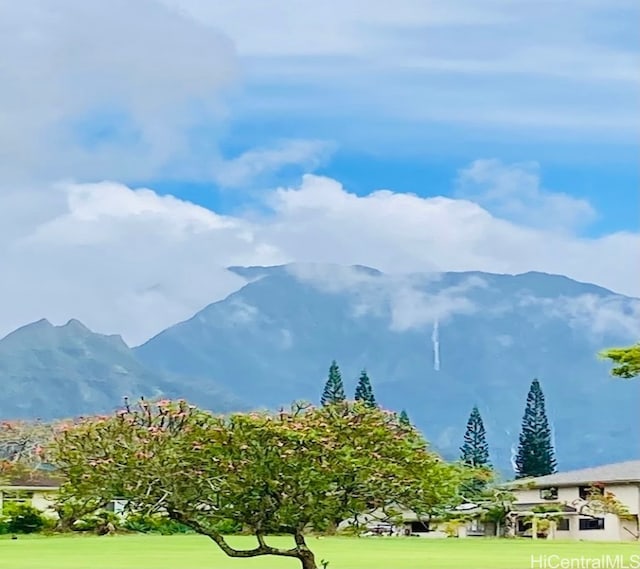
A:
(553, 83)
(284, 121)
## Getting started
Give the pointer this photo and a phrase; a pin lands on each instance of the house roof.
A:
(33, 480)
(533, 505)
(618, 472)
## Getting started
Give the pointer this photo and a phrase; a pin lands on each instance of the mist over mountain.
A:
(433, 344)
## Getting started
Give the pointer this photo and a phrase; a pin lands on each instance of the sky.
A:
(145, 145)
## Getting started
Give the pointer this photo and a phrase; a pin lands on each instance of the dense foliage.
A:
(21, 443)
(287, 473)
(536, 455)
(626, 361)
(21, 518)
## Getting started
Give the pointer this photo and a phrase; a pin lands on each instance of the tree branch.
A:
(262, 549)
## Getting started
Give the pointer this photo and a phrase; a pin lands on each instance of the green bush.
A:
(153, 524)
(23, 518)
(228, 527)
(158, 523)
(100, 522)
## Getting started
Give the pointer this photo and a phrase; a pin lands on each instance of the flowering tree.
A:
(287, 473)
(21, 447)
(22, 442)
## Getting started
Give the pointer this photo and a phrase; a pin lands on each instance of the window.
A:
(549, 493)
(419, 527)
(563, 524)
(475, 526)
(523, 525)
(116, 506)
(584, 491)
(591, 523)
(16, 497)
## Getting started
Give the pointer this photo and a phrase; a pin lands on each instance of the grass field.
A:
(195, 552)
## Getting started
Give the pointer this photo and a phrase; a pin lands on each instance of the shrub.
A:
(100, 522)
(23, 518)
(156, 523)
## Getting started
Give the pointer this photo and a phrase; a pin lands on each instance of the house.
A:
(463, 521)
(40, 491)
(37, 490)
(578, 497)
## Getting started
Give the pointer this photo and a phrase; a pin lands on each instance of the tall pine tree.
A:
(404, 419)
(334, 389)
(475, 450)
(536, 455)
(364, 391)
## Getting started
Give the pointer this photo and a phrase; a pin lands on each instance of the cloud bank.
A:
(130, 261)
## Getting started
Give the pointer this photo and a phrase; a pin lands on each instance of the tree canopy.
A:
(475, 450)
(21, 447)
(364, 391)
(286, 473)
(536, 455)
(626, 361)
(334, 388)
(404, 418)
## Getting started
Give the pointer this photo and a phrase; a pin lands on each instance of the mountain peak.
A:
(42, 323)
(75, 326)
(257, 272)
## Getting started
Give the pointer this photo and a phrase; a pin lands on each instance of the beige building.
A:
(39, 492)
(581, 518)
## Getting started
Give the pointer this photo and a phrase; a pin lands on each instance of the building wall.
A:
(629, 530)
(44, 502)
(628, 494)
(611, 531)
(42, 499)
(615, 529)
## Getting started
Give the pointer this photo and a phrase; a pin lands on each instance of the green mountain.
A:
(51, 371)
(433, 345)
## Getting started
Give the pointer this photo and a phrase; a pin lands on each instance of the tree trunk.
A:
(307, 560)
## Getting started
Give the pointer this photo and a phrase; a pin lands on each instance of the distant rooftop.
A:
(618, 472)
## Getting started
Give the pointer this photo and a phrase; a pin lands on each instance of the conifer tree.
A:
(404, 418)
(364, 391)
(536, 455)
(334, 389)
(475, 450)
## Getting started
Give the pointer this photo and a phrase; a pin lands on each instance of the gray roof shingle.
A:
(618, 472)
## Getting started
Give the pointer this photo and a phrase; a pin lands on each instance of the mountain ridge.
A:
(434, 344)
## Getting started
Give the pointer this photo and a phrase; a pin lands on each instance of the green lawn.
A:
(195, 552)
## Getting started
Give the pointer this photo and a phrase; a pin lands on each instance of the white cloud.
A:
(106, 89)
(121, 90)
(409, 301)
(562, 66)
(252, 164)
(514, 192)
(121, 260)
(134, 262)
(597, 315)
